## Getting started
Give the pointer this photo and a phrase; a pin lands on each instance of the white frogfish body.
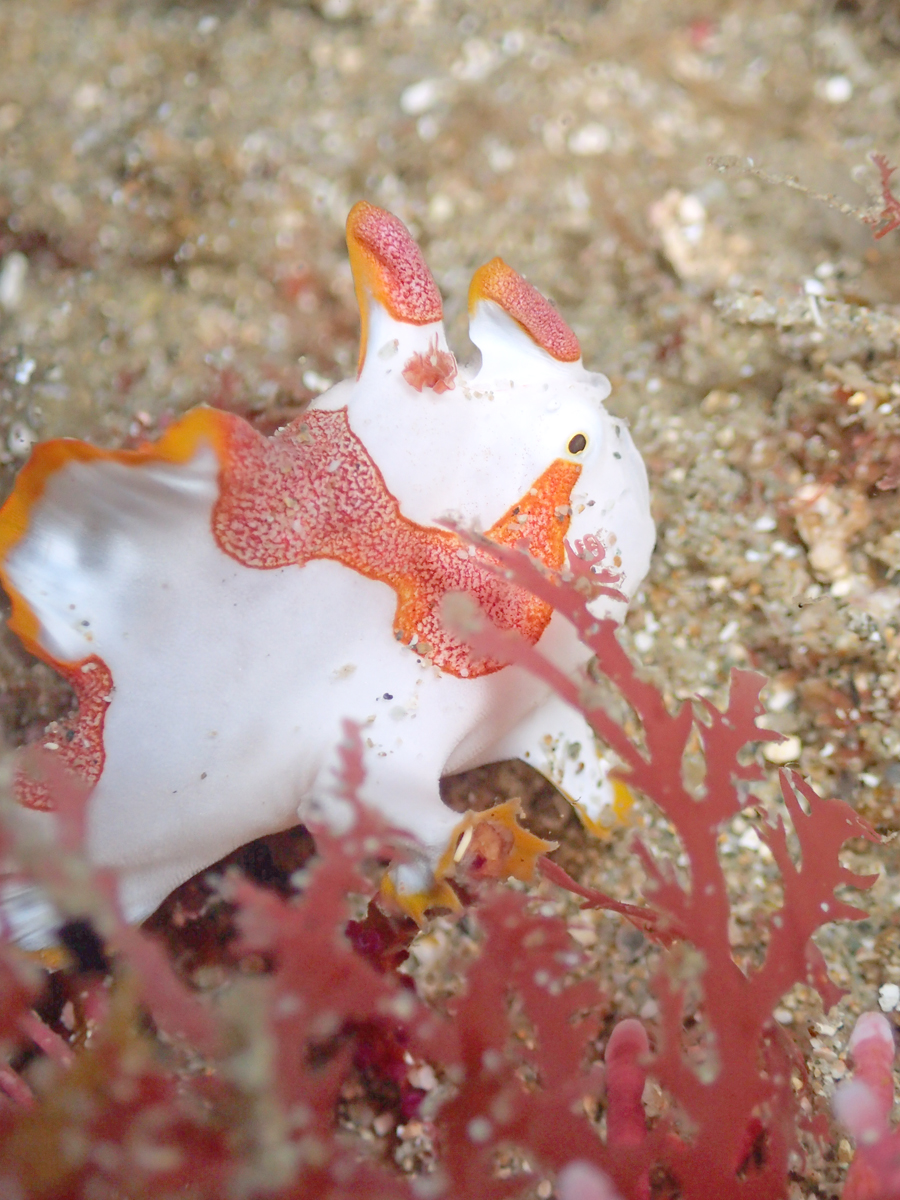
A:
(222, 601)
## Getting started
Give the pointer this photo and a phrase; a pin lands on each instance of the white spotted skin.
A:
(231, 684)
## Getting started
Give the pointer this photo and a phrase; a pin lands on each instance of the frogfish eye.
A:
(577, 444)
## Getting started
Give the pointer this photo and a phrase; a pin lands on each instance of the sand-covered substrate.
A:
(173, 186)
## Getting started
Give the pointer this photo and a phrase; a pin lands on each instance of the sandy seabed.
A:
(174, 181)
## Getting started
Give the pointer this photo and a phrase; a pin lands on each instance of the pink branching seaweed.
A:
(627, 1054)
(328, 1007)
(740, 1106)
(889, 218)
(863, 1105)
(492, 1107)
